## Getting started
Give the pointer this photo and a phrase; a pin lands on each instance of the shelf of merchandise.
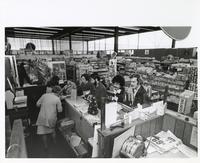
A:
(42, 70)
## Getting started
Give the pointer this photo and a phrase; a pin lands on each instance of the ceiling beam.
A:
(66, 31)
(89, 33)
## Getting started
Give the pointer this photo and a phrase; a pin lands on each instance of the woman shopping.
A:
(49, 104)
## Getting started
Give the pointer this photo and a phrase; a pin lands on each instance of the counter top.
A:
(181, 117)
(81, 106)
(135, 122)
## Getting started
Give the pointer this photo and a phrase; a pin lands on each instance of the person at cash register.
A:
(100, 90)
(136, 93)
(117, 88)
(86, 85)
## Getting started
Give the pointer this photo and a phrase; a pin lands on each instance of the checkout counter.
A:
(181, 126)
(84, 122)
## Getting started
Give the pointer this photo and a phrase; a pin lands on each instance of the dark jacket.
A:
(87, 87)
(99, 93)
(141, 97)
(121, 95)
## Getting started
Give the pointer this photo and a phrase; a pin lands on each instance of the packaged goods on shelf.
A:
(185, 102)
(58, 68)
(39, 71)
(193, 87)
(82, 69)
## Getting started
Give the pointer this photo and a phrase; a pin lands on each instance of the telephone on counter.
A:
(133, 147)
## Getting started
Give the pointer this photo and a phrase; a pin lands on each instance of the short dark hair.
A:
(139, 80)
(95, 76)
(86, 76)
(56, 89)
(119, 79)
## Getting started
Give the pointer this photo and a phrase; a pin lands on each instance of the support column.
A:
(173, 43)
(87, 47)
(138, 41)
(116, 40)
(53, 46)
(70, 42)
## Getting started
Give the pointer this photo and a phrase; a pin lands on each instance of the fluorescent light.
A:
(131, 28)
(146, 29)
(35, 33)
(26, 37)
(122, 31)
(53, 28)
(88, 36)
(104, 33)
(21, 35)
(104, 29)
(34, 30)
(84, 34)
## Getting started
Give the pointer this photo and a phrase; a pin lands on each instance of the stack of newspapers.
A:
(164, 141)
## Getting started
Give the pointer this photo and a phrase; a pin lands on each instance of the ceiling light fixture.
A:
(83, 34)
(104, 33)
(30, 37)
(131, 28)
(34, 33)
(105, 29)
(34, 30)
(53, 28)
(86, 36)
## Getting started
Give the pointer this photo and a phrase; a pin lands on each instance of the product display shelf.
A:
(42, 71)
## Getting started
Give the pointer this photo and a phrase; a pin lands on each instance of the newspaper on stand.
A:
(164, 141)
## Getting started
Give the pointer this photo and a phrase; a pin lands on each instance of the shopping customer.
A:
(49, 104)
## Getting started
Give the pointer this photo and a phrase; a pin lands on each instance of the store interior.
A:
(80, 92)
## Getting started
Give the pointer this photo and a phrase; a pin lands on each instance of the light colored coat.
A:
(49, 104)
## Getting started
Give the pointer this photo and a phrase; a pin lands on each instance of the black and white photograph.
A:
(100, 90)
